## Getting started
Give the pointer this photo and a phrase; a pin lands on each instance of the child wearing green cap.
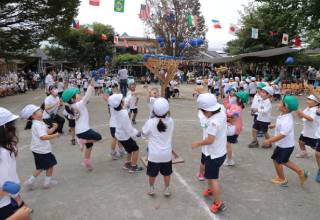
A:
(284, 141)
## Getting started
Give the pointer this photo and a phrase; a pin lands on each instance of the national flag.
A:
(192, 20)
(285, 39)
(254, 33)
(104, 37)
(76, 24)
(216, 24)
(144, 12)
(297, 41)
(116, 39)
(89, 30)
(134, 47)
(232, 29)
(126, 43)
(94, 2)
(119, 5)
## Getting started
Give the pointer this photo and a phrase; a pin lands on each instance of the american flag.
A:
(144, 12)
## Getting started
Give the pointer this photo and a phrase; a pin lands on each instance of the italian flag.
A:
(192, 20)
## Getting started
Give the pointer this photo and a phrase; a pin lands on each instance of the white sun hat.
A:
(160, 107)
(6, 116)
(28, 110)
(208, 102)
(115, 100)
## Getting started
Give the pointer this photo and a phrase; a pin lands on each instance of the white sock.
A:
(47, 180)
(32, 179)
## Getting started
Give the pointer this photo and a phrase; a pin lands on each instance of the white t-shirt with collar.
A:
(8, 172)
(124, 130)
(317, 120)
(216, 126)
(51, 100)
(252, 88)
(310, 127)
(39, 129)
(285, 126)
(255, 102)
(264, 110)
(159, 143)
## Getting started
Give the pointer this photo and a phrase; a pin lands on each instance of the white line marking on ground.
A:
(200, 201)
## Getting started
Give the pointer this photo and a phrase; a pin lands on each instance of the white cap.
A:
(253, 78)
(226, 80)
(236, 78)
(115, 100)
(27, 111)
(6, 116)
(208, 102)
(312, 97)
(160, 106)
(248, 80)
(268, 89)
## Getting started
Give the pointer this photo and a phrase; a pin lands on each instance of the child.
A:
(216, 86)
(213, 146)
(8, 171)
(230, 98)
(264, 117)
(125, 132)
(284, 140)
(40, 145)
(159, 130)
(235, 124)
(133, 102)
(82, 129)
(153, 95)
(277, 91)
(252, 88)
(310, 126)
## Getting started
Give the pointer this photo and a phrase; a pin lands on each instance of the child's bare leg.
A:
(254, 134)
(213, 184)
(130, 114)
(152, 180)
(114, 144)
(294, 167)
(302, 146)
(129, 158)
(229, 151)
(317, 154)
(134, 116)
(36, 173)
(279, 170)
(49, 171)
(166, 180)
(87, 153)
(201, 168)
(134, 159)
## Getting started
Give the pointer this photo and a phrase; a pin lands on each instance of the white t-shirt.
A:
(216, 125)
(317, 120)
(50, 100)
(82, 122)
(252, 88)
(310, 127)
(39, 129)
(112, 120)
(150, 106)
(210, 82)
(124, 127)
(159, 143)
(264, 111)
(285, 126)
(8, 172)
(49, 80)
(246, 87)
(60, 86)
(277, 89)
(133, 104)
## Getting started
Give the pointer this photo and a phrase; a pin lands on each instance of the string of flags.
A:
(118, 4)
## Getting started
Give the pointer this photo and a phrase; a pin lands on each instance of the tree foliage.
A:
(80, 47)
(128, 58)
(24, 23)
(287, 16)
(160, 25)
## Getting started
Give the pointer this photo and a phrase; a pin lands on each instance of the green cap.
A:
(107, 90)
(291, 102)
(69, 93)
(243, 96)
(261, 85)
(216, 78)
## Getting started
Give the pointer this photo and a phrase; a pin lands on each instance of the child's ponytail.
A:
(69, 110)
(161, 126)
(29, 124)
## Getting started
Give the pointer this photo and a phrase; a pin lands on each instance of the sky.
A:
(226, 11)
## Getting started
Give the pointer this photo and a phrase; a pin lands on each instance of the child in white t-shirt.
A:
(263, 118)
(40, 145)
(133, 102)
(159, 130)
(213, 145)
(284, 141)
(8, 166)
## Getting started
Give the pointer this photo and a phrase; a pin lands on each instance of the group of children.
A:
(222, 124)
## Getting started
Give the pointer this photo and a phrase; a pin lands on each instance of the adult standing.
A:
(51, 107)
(48, 82)
(123, 78)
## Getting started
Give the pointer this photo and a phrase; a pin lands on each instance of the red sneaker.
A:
(207, 192)
(217, 207)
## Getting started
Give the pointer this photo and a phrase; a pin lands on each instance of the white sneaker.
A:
(228, 162)
(151, 191)
(115, 155)
(302, 154)
(51, 184)
(167, 192)
(29, 185)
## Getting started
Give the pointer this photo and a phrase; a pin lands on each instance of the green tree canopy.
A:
(81, 47)
(25, 23)
(161, 25)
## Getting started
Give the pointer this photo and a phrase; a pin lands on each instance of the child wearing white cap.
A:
(252, 88)
(264, 117)
(159, 130)
(153, 95)
(311, 124)
(133, 102)
(213, 146)
(8, 167)
(125, 132)
(40, 145)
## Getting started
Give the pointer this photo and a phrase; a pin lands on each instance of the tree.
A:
(25, 23)
(81, 47)
(169, 19)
